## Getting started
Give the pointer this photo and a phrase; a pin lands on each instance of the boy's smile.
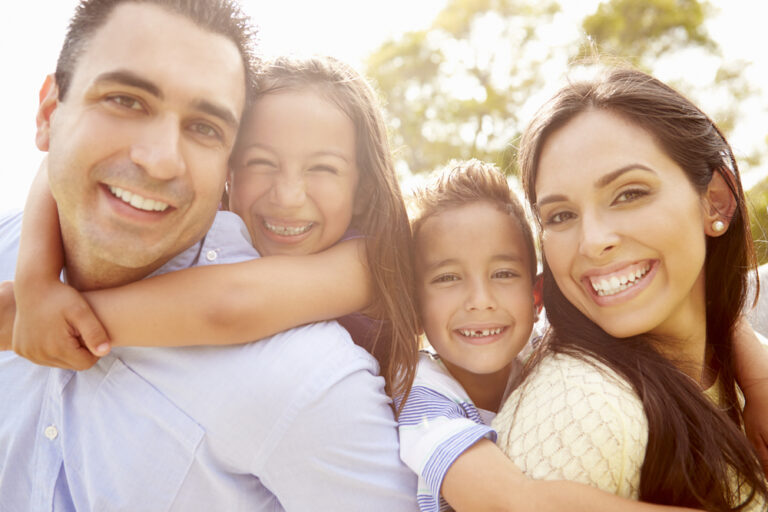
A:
(475, 289)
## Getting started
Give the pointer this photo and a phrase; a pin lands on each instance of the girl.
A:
(312, 177)
(646, 251)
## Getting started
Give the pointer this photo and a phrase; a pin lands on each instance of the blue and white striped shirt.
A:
(438, 423)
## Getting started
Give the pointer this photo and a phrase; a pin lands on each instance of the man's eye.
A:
(205, 130)
(126, 102)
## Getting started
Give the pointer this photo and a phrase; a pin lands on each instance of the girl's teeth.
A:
(478, 333)
(616, 284)
(287, 230)
(138, 202)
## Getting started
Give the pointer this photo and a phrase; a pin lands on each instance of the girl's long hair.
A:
(697, 455)
(382, 217)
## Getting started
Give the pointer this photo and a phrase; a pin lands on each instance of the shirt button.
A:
(51, 432)
(211, 255)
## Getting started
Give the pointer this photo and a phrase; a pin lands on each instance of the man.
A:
(147, 98)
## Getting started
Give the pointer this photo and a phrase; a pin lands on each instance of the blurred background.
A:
(460, 78)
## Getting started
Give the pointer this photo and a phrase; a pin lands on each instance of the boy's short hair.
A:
(465, 182)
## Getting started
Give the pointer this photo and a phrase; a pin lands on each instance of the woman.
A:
(646, 252)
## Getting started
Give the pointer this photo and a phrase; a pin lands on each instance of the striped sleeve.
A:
(434, 431)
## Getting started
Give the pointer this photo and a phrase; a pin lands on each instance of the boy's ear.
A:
(49, 100)
(718, 204)
(538, 293)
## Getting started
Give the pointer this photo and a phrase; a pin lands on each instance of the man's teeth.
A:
(616, 284)
(288, 230)
(478, 333)
(138, 202)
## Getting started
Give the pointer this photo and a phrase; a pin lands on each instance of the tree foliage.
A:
(463, 87)
(757, 199)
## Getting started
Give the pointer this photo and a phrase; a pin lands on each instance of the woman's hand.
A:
(55, 326)
(751, 357)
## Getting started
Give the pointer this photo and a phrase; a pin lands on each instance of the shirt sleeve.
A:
(434, 432)
(340, 450)
(574, 421)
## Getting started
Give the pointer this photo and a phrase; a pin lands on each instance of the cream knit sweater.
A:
(572, 420)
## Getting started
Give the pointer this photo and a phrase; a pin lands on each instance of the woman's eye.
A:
(126, 102)
(505, 274)
(558, 218)
(630, 195)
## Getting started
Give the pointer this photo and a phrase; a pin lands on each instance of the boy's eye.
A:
(505, 274)
(126, 102)
(445, 278)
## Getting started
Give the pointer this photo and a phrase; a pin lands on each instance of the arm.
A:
(483, 478)
(236, 303)
(751, 364)
(52, 320)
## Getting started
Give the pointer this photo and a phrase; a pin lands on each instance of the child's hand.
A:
(756, 420)
(55, 326)
(7, 314)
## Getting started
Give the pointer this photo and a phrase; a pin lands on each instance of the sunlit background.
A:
(726, 74)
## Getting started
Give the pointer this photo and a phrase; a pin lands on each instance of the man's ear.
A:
(49, 100)
(718, 203)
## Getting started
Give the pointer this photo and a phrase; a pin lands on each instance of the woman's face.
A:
(623, 228)
(294, 173)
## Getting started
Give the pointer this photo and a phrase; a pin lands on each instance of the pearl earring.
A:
(718, 226)
(226, 187)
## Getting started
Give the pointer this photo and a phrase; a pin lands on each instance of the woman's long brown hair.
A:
(697, 455)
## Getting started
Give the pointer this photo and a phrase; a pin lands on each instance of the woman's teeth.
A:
(478, 333)
(287, 230)
(616, 284)
(138, 202)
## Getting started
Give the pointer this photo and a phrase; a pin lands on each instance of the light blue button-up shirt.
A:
(298, 421)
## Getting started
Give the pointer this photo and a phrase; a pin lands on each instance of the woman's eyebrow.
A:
(600, 183)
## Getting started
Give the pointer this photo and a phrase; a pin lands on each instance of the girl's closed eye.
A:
(263, 164)
(444, 278)
(324, 168)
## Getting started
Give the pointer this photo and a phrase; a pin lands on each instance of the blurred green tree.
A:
(464, 87)
(757, 199)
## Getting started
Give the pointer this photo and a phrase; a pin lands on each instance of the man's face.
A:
(138, 148)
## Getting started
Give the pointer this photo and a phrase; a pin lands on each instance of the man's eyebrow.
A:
(132, 80)
(602, 182)
(223, 113)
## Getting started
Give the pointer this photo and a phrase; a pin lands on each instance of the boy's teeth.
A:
(138, 202)
(478, 333)
(287, 230)
(616, 284)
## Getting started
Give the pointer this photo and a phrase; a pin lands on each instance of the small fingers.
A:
(89, 329)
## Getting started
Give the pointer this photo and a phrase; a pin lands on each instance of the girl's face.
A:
(623, 228)
(294, 173)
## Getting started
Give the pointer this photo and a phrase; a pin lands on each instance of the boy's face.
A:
(475, 288)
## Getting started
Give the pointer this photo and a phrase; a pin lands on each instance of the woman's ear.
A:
(718, 204)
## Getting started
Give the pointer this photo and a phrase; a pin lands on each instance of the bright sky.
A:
(31, 33)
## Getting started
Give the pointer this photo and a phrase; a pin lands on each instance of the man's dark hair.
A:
(223, 17)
